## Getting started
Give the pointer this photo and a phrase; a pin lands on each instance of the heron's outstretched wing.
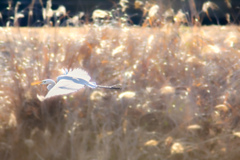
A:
(79, 73)
(64, 86)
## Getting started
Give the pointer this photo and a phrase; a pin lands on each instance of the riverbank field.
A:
(179, 97)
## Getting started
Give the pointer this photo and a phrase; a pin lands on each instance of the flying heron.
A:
(71, 81)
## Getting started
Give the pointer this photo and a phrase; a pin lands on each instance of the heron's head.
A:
(45, 81)
(50, 83)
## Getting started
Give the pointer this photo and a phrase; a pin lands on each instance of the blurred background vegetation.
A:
(180, 80)
(223, 12)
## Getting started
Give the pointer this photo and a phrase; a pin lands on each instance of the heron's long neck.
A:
(51, 84)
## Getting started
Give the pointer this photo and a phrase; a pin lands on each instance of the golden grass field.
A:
(179, 97)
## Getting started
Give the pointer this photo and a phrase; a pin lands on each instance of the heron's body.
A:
(71, 81)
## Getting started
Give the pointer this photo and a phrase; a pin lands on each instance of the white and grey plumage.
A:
(71, 81)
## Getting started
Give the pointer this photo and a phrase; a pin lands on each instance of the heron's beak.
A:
(35, 83)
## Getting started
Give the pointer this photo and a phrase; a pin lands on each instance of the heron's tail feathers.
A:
(92, 84)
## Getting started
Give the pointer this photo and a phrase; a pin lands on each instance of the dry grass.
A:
(179, 98)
